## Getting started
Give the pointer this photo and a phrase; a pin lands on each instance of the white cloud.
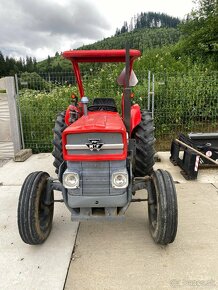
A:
(35, 26)
(38, 28)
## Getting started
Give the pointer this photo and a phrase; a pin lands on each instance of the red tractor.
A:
(102, 158)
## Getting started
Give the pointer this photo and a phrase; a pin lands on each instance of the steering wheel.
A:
(102, 108)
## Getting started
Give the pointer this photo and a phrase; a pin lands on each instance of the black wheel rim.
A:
(45, 211)
(153, 206)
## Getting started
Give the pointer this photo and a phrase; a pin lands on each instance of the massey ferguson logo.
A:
(94, 145)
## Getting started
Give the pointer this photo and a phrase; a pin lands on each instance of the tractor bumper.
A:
(97, 201)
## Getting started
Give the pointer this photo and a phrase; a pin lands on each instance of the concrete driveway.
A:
(122, 255)
(23, 266)
(112, 255)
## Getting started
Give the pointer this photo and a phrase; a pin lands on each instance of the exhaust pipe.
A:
(127, 93)
(85, 101)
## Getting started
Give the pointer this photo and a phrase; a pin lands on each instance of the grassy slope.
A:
(143, 39)
(55, 62)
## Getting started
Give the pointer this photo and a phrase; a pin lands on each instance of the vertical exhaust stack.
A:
(85, 102)
(127, 93)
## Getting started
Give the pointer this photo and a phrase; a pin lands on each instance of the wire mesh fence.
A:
(185, 103)
(182, 103)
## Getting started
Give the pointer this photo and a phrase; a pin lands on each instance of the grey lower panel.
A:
(97, 201)
(95, 177)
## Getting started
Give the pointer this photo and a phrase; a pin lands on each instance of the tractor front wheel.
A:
(162, 207)
(35, 215)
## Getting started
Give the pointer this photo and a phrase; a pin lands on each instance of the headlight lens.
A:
(71, 180)
(120, 180)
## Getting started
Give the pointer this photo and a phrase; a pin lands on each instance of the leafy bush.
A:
(183, 103)
(33, 81)
(39, 111)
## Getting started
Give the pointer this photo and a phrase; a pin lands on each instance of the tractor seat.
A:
(103, 104)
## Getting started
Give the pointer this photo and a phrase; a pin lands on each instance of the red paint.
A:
(135, 116)
(98, 121)
(104, 122)
(78, 78)
(113, 55)
(79, 56)
(67, 115)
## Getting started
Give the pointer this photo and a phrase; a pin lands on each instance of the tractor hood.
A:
(97, 121)
(103, 130)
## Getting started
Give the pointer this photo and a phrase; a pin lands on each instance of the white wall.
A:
(10, 142)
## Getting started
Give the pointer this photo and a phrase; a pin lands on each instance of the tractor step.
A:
(22, 155)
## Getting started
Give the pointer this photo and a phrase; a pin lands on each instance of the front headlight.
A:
(120, 179)
(71, 180)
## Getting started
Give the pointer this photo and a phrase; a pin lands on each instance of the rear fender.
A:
(70, 109)
(135, 116)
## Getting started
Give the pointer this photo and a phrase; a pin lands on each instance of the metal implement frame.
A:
(189, 163)
(193, 156)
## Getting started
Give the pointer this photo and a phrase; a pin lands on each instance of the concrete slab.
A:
(205, 175)
(122, 255)
(32, 267)
(14, 173)
(3, 161)
(116, 255)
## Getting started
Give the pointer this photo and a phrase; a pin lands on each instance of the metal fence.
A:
(182, 103)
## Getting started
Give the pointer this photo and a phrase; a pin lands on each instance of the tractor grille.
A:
(94, 144)
(96, 179)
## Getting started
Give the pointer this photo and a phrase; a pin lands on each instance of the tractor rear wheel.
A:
(34, 214)
(162, 207)
(144, 136)
(60, 125)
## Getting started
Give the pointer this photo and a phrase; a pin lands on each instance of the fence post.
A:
(10, 142)
(152, 100)
(149, 89)
(19, 111)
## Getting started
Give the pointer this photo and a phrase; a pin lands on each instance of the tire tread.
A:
(144, 135)
(26, 209)
(166, 230)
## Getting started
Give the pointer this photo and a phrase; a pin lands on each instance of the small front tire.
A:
(162, 207)
(34, 215)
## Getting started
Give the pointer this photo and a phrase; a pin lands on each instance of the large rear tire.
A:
(144, 136)
(34, 215)
(60, 125)
(162, 207)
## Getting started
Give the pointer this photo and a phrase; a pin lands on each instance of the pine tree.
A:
(2, 65)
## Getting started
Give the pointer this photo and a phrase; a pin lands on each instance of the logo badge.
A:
(94, 144)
